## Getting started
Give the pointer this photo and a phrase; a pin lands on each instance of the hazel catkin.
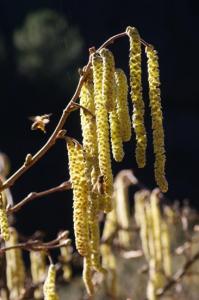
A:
(15, 269)
(156, 115)
(102, 132)
(122, 104)
(108, 92)
(49, 288)
(136, 95)
(4, 227)
(78, 178)
(116, 135)
(87, 275)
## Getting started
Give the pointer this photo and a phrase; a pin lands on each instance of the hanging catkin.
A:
(15, 270)
(136, 95)
(49, 288)
(4, 227)
(38, 271)
(102, 132)
(109, 98)
(108, 92)
(116, 134)
(78, 178)
(122, 104)
(87, 275)
(156, 115)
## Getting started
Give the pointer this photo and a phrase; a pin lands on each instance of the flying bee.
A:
(40, 122)
(99, 185)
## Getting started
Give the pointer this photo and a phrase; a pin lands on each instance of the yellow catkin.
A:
(102, 132)
(141, 218)
(88, 123)
(166, 249)
(4, 227)
(77, 169)
(110, 225)
(89, 133)
(109, 98)
(156, 115)
(108, 92)
(123, 209)
(87, 275)
(38, 271)
(136, 95)
(122, 104)
(116, 135)
(156, 220)
(15, 270)
(49, 288)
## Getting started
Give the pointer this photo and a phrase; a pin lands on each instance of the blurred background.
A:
(42, 46)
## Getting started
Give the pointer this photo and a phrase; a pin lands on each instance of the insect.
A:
(40, 122)
(99, 185)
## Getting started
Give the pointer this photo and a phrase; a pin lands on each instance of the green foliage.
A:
(47, 47)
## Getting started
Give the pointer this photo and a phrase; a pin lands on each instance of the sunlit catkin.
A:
(156, 115)
(136, 95)
(122, 104)
(49, 288)
(38, 271)
(108, 80)
(88, 123)
(78, 178)
(4, 227)
(102, 131)
(87, 275)
(15, 270)
(115, 130)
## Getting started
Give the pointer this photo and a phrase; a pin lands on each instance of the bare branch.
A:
(60, 188)
(178, 275)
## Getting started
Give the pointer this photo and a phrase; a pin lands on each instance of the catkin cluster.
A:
(154, 234)
(106, 125)
(138, 106)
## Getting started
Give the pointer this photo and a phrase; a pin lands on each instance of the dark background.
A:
(172, 26)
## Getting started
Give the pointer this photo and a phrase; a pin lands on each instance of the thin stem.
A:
(178, 275)
(60, 188)
(37, 245)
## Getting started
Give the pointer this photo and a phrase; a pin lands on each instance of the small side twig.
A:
(60, 188)
(178, 275)
(39, 245)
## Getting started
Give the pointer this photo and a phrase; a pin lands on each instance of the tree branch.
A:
(60, 241)
(178, 275)
(60, 188)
